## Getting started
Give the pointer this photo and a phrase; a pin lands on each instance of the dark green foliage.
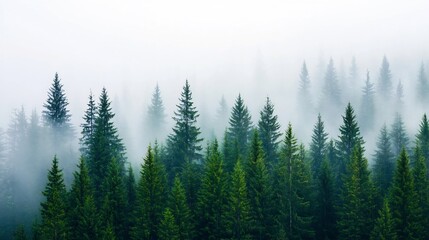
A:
(88, 127)
(114, 203)
(384, 164)
(83, 217)
(53, 212)
(259, 190)
(318, 145)
(230, 152)
(384, 227)
(398, 136)
(367, 107)
(325, 211)
(423, 138)
(238, 215)
(168, 229)
(155, 121)
(356, 214)
(212, 197)
(348, 139)
(422, 86)
(403, 199)
(19, 233)
(268, 127)
(240, 126)
(131, 200)
(151, 198)
(385, 80)
(184, 143)
(180, 211)
(421, 186)
(191, 175)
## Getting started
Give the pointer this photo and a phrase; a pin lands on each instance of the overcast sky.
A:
(128, 46)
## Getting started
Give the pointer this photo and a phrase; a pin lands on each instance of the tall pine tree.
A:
(88, 127)
(384, 163)
(240, 126)
(398, 135)
(318, 145)
(268, 127)
(423, 138)
(367, 107)
(155, 120)
(422, 86)
(385, 80)
(421, 185)
(180, 210)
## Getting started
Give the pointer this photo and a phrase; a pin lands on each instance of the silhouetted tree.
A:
(268, 127)
(240, 126)
(422, 86)
(384, 163)
(398, 135)
(318, 145)
(384, 87)
(155, 120)
(367, 110)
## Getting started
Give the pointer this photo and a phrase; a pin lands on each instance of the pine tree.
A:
(53, 212)
(422, 86)
(398, 136)
(105, 146)
(155, 121)
(423, 138)
(168, 229)
(268, 127)
(403, 199)
(113, 208)
(131, 200)
(238, 214)
(421, 185)
(399, 97)
(88, 127)
(180, 210)
(348, 139)
(318, 145)
(259, 190)
(385, 80)
(384, 164)
(304, 88)
(384, 228)
(222, 116)
(151, 195)
(184, 142)
(358, 199)
(325, 211)
(190, 177)
(367, 110)
(83, 217)
(212, 198)
(331, 90)
(19, 233)
(240, 126)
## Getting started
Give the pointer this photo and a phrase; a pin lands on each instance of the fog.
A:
(224, 48)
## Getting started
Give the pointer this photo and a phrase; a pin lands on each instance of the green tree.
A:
(130, 184)
(268, 127)
(155, 121)
(358, 199)
(212, 198)
(180, 210)
(398, 136)
(422, 86)
(367, 107)
(384, 164)
(240, 126)
(83, 217)
(421, 185)
(19, 233)
(423, 138)
(385, 80)
(184, 143)
(238, 214)
(168, 229)
(88, 127)
(331, 99)
(53, 212)
(318, 145)
(403, 199)
(384, 228)
(151, 195)
(304, 88)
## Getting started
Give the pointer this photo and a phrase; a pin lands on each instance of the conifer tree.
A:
(399, 97)
(180, 210)
(318, 145)
(88, 127)
(184, 143)
(155, 121)
(230, 152)
(398, 136)
(268, 127)
(131, 193)
(190, 177)
(331, 90)
(423, 138)
(421, 185)
(384, 164)
(19, 233)
(367, 108)
(222, 116)
(358, 204)
(403, 199)
(212, 198)
(304, 88)
(384, 227)
(385, 80)
(240, 126)
(422, 86)
(54, 216)
(168, 229)
(238, 212)
(151, 195)
(259, 190)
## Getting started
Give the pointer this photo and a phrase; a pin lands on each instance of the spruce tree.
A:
(421, 185)
(184, 143)
(238, 213)
(180, 210)
(240, 126)
(131, 192)
(155, 121)
(422, 86)
(423, 138)
(304, 88)
(384, 227)
(398, 136)
(384, 164)
(318, 145)
(88, 127)
(268, 127)
(168, 229)
(190, 178)
(54, 209)
(367, 107)
(19, 233)
(385, 80)
(212, 198)
(151, 196)
(403, 199)
(83, 217)
(399, 97)
(259, 190)
(331, 100)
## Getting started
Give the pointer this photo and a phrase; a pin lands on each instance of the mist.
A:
(223, 48)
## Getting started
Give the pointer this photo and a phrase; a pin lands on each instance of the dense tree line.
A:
(253, 183)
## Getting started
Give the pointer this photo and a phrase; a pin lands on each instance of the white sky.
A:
(130, 45)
